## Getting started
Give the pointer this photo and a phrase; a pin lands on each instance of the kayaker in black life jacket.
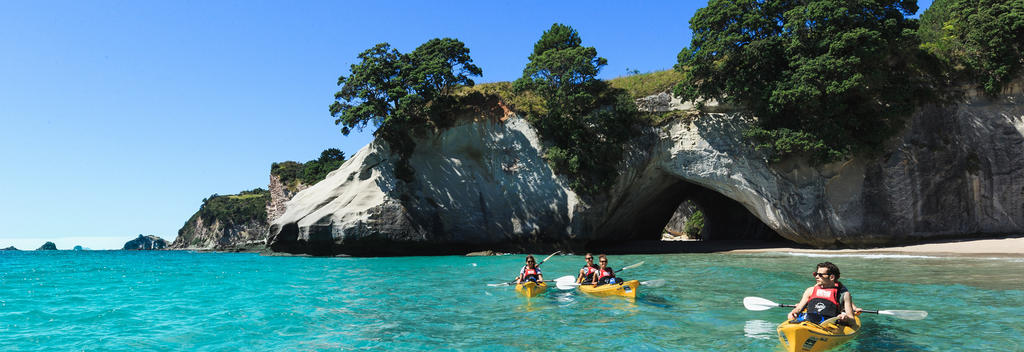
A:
(588, 272)
(530, 271)
(826, 299)
(605, 274)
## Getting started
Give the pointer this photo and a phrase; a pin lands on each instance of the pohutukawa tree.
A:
(393, 90)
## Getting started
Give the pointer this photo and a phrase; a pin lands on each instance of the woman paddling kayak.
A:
(605, 274)
(530, 272)
(588, 271)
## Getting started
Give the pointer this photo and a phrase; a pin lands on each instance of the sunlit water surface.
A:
(120, 300)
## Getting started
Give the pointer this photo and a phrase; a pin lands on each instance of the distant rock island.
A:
(48, 246)
(145, 243)
(79, 248)
(11, 248)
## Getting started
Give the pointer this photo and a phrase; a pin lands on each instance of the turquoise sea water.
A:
(120, 300)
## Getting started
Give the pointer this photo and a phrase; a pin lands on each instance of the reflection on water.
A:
(987, 273)
(760, 329)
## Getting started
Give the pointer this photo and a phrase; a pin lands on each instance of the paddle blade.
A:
(566, 283)
(567, 278)
(758, 303)
(632, 266)
(654, 283)
(502, 284)
(905, 314)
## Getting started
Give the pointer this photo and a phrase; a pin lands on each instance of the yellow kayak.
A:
(624, 289)
(811, 337)
(530, 289)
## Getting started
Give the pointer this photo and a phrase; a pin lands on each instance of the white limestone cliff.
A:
(955, 171)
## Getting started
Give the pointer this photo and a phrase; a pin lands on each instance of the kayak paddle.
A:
(513, 282)
(570, 283)
(758, 303)
(653, 283)
(567, 284)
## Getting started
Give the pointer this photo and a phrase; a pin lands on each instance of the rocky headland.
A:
(955, 171)
(240, 222)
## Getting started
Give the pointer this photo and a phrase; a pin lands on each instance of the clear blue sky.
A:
(118, 117)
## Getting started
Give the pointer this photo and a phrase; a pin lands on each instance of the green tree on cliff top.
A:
(563, 73)
(583, 116)
(825, 77)
(393, 90)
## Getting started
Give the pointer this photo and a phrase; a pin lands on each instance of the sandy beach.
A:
(1004, 247)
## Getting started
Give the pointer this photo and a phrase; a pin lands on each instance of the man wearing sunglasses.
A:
(605, 274)
(588, 271)
(826, 299)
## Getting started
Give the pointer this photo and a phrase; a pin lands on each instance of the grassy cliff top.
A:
(645, 84)
(638, 86)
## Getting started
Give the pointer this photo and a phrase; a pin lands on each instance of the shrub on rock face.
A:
(694, 225)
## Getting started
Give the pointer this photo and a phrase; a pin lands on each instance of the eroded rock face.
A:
(956, 171)
(475, 185)
(279, 195)
(199, 234)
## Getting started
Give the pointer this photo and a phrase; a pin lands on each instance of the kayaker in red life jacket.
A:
(605, 274)
(826, 299)
(530, 272)
(588, 271)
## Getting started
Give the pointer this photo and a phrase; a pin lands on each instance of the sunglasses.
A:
(604, 261)
(820, 274)
(589, 258)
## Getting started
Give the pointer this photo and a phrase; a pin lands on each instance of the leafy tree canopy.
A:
(583, 117)
(389, 88)
(825, 77)
(562, 71)
(983, 40)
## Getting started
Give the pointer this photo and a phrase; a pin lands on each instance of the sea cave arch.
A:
(725, 219)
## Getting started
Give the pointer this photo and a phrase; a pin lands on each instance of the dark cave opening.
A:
(727, 224)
